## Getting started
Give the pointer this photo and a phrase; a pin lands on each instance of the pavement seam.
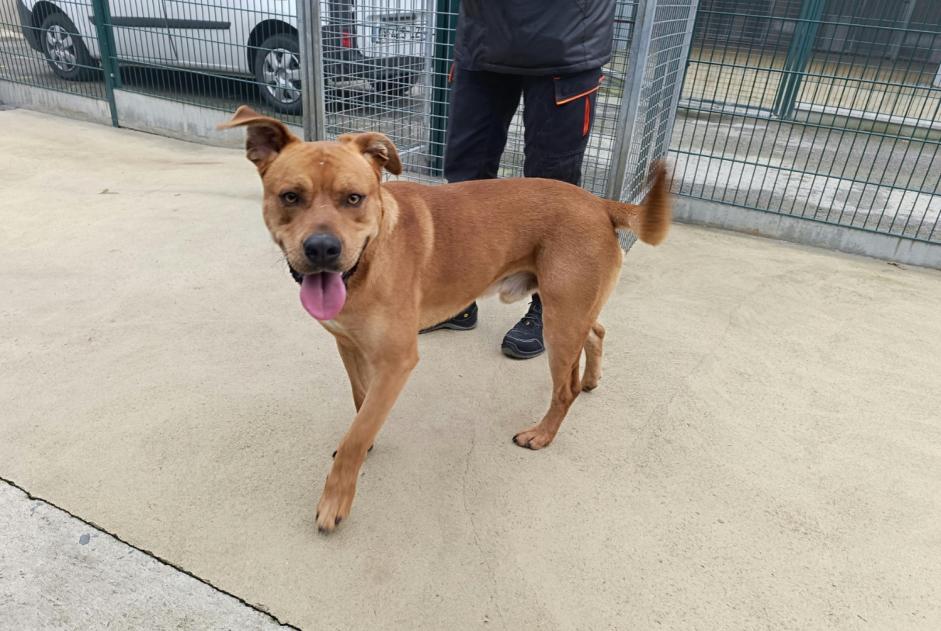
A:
(152, 555)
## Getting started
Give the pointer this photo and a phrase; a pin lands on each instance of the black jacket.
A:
(534, 37)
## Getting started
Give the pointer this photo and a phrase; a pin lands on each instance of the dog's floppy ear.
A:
(377, 148)
(265, 137)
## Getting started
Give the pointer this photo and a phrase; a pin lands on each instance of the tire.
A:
(277, 71)
(64, 49)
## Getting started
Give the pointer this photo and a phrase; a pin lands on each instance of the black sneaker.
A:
(464, 321)
(524, 340)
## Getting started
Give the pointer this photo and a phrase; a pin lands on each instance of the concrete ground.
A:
(764, 450)
(58, 572)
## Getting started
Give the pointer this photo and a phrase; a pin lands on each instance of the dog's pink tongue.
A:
(323, 294)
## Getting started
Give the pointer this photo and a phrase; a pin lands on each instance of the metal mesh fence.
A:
(828, 111)
(650, 109)
(50, 46)
(211, 53)
(399, 84)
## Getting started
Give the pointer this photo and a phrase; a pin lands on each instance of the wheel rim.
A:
(282, 76)
(61, 48)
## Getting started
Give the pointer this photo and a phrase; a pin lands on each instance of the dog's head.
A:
(322, 200)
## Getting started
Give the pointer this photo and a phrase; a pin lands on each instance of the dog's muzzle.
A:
(299, 278)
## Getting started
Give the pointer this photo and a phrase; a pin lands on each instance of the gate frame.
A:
(310, 40)
(641, 32)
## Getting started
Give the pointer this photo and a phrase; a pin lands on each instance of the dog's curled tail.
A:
(651, 220)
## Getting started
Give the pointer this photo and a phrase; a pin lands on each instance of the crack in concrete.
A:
(470, 518)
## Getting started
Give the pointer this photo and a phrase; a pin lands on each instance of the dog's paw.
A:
(591, 378)
(334, 505)
(536, 437)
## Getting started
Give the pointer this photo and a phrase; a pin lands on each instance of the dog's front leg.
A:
(356, 368)
(387, 379)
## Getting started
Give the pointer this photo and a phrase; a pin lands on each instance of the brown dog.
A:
(381, 261)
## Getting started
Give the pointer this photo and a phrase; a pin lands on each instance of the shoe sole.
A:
(512, 351)
(449, 326)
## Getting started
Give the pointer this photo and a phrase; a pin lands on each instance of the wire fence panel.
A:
(828, 111)
(211, 53)
(215, 54)
(664, 29)
(395, 81)
(51, 46)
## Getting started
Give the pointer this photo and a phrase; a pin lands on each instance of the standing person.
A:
(550, 52)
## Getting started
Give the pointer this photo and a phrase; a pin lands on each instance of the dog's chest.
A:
(335, 327)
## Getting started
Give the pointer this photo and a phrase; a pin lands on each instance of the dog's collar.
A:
(299, 278)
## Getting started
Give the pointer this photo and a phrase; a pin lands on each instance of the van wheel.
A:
(64, 49)
(278, 73)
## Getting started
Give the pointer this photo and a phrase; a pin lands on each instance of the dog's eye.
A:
(289, 198)
(354, 199)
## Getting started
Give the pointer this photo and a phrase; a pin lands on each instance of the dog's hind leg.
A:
(564, 341)
(593, 353)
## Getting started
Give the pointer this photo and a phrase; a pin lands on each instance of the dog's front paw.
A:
(335, 504)
(535, 437)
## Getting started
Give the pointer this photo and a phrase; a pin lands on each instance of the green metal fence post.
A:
(107, 50)
(310, 38)
(445, 26)
(798, 57)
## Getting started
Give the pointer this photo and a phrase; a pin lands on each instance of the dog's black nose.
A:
(323, 250)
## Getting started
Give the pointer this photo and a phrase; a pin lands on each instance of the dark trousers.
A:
(558, 112)
(557, 116)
